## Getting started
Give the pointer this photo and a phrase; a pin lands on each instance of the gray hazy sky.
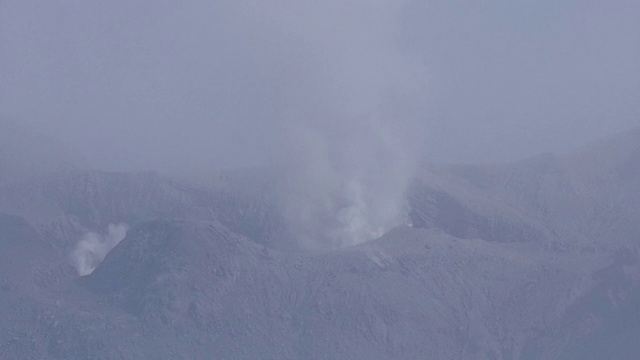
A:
(207, 84)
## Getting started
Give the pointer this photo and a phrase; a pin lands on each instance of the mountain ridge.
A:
(536, 259)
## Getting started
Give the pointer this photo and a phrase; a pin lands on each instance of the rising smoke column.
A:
(351, 187)
(352, 122)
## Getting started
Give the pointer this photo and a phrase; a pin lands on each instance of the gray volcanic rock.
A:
(531, 260)
(411, 294)
(603, 322)
(22, 252)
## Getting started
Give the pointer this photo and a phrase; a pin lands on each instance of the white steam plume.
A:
(93, 247)
(352, 122)
(350, 188)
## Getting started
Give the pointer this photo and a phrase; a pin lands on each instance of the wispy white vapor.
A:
(93, 247)
(353, 126)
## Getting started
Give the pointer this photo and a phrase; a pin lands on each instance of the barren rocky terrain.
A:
(536, 259)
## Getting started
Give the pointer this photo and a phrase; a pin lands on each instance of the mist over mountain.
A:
(371, 179)
(25, 154)
(535, 259)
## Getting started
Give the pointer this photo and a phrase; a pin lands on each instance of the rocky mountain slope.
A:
(531, 260)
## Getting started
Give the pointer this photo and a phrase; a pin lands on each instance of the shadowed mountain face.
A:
(22, 252)
(532, 260)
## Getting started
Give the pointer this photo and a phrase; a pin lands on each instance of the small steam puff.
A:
(93, 247)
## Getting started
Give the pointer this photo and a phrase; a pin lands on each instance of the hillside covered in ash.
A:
(536, 259)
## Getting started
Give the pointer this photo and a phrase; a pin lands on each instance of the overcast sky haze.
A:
(172, 85)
